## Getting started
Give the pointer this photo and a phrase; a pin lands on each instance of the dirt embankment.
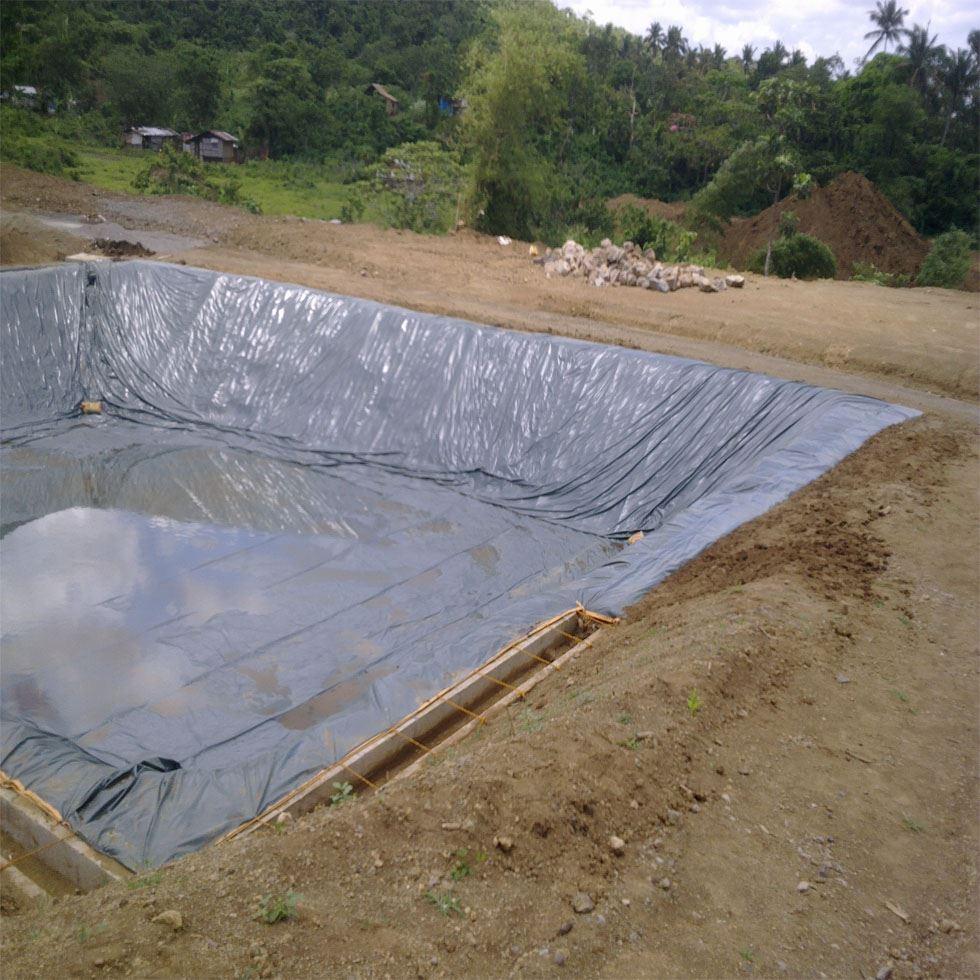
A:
(850, 215)
(25, 241)
(668, 210)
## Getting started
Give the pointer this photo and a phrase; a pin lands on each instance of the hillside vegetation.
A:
(561, 113)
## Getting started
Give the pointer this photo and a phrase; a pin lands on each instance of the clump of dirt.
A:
(668, 210)
(119, 248)
(850, 215)
(25, 241)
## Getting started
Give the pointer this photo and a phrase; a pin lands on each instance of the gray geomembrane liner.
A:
(300, 515)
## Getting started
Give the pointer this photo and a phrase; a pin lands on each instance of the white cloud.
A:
(817, 27)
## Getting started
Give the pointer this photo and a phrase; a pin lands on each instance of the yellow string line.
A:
(37, 850)
(359, 776)
(497, 680)
(466, 711)
(541, 660)
(395, 731)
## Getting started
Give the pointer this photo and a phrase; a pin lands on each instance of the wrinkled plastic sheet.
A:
(300, 515)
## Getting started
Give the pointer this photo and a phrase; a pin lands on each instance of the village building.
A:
(391, 103)
(22, 96)
(214, 146)
(151, 138)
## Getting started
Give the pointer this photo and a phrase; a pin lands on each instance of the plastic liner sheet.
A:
(300, 515)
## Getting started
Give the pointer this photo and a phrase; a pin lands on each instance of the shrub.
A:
(948, 261)
(25, 142)
(416, 186)
(869, 272)
(797, 255)
(172, 171)
(669, 240)
(789, 224)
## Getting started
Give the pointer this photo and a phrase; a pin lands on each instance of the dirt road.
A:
(785, 733)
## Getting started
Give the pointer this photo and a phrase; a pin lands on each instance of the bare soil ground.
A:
(811, 812)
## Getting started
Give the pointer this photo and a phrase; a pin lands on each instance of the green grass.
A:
(277, 908)
(445, 903)
(304, 190)
(146, 881)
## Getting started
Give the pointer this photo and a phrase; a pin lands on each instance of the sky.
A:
(817, 27)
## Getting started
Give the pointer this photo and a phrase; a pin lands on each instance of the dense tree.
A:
(923, 54)
(519, 91)
(563, 112)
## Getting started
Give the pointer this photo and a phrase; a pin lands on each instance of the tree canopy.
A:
(561, 112)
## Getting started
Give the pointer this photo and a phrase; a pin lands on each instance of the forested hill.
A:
(562, 113)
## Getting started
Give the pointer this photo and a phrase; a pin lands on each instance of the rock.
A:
(803, 887)
(736, 282)
(565, 928)
(949, 925)
(843, 679)
(673, 817)
(505, 844)
(665, 884)
(617, 845)
(885, 972)
(561, 957)
(582, 903)
(171, 918)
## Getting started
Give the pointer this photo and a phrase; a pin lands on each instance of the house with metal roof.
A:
(215, 146)
(151, 138)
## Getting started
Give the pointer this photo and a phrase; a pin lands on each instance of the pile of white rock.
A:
(630, 265)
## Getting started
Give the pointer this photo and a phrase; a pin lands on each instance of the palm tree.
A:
(889, 19)
(973, 39)
(779, 52)
(747, 56)
(655, 37)
(922, 53)
(959, 74)
(797, 58)
(675, 44)
(718, 56)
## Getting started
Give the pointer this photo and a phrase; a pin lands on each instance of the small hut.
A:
(391, 103)
(151, 138)
(215, 146)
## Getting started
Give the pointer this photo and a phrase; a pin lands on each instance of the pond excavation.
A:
(291, 531)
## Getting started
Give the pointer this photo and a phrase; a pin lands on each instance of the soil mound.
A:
(119, 248)
(671, 211)
(850, 215)
(25, 241)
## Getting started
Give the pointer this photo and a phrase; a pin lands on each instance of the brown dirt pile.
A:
(670, 211)
(24, 241)
(850, 215)
(119, 248)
